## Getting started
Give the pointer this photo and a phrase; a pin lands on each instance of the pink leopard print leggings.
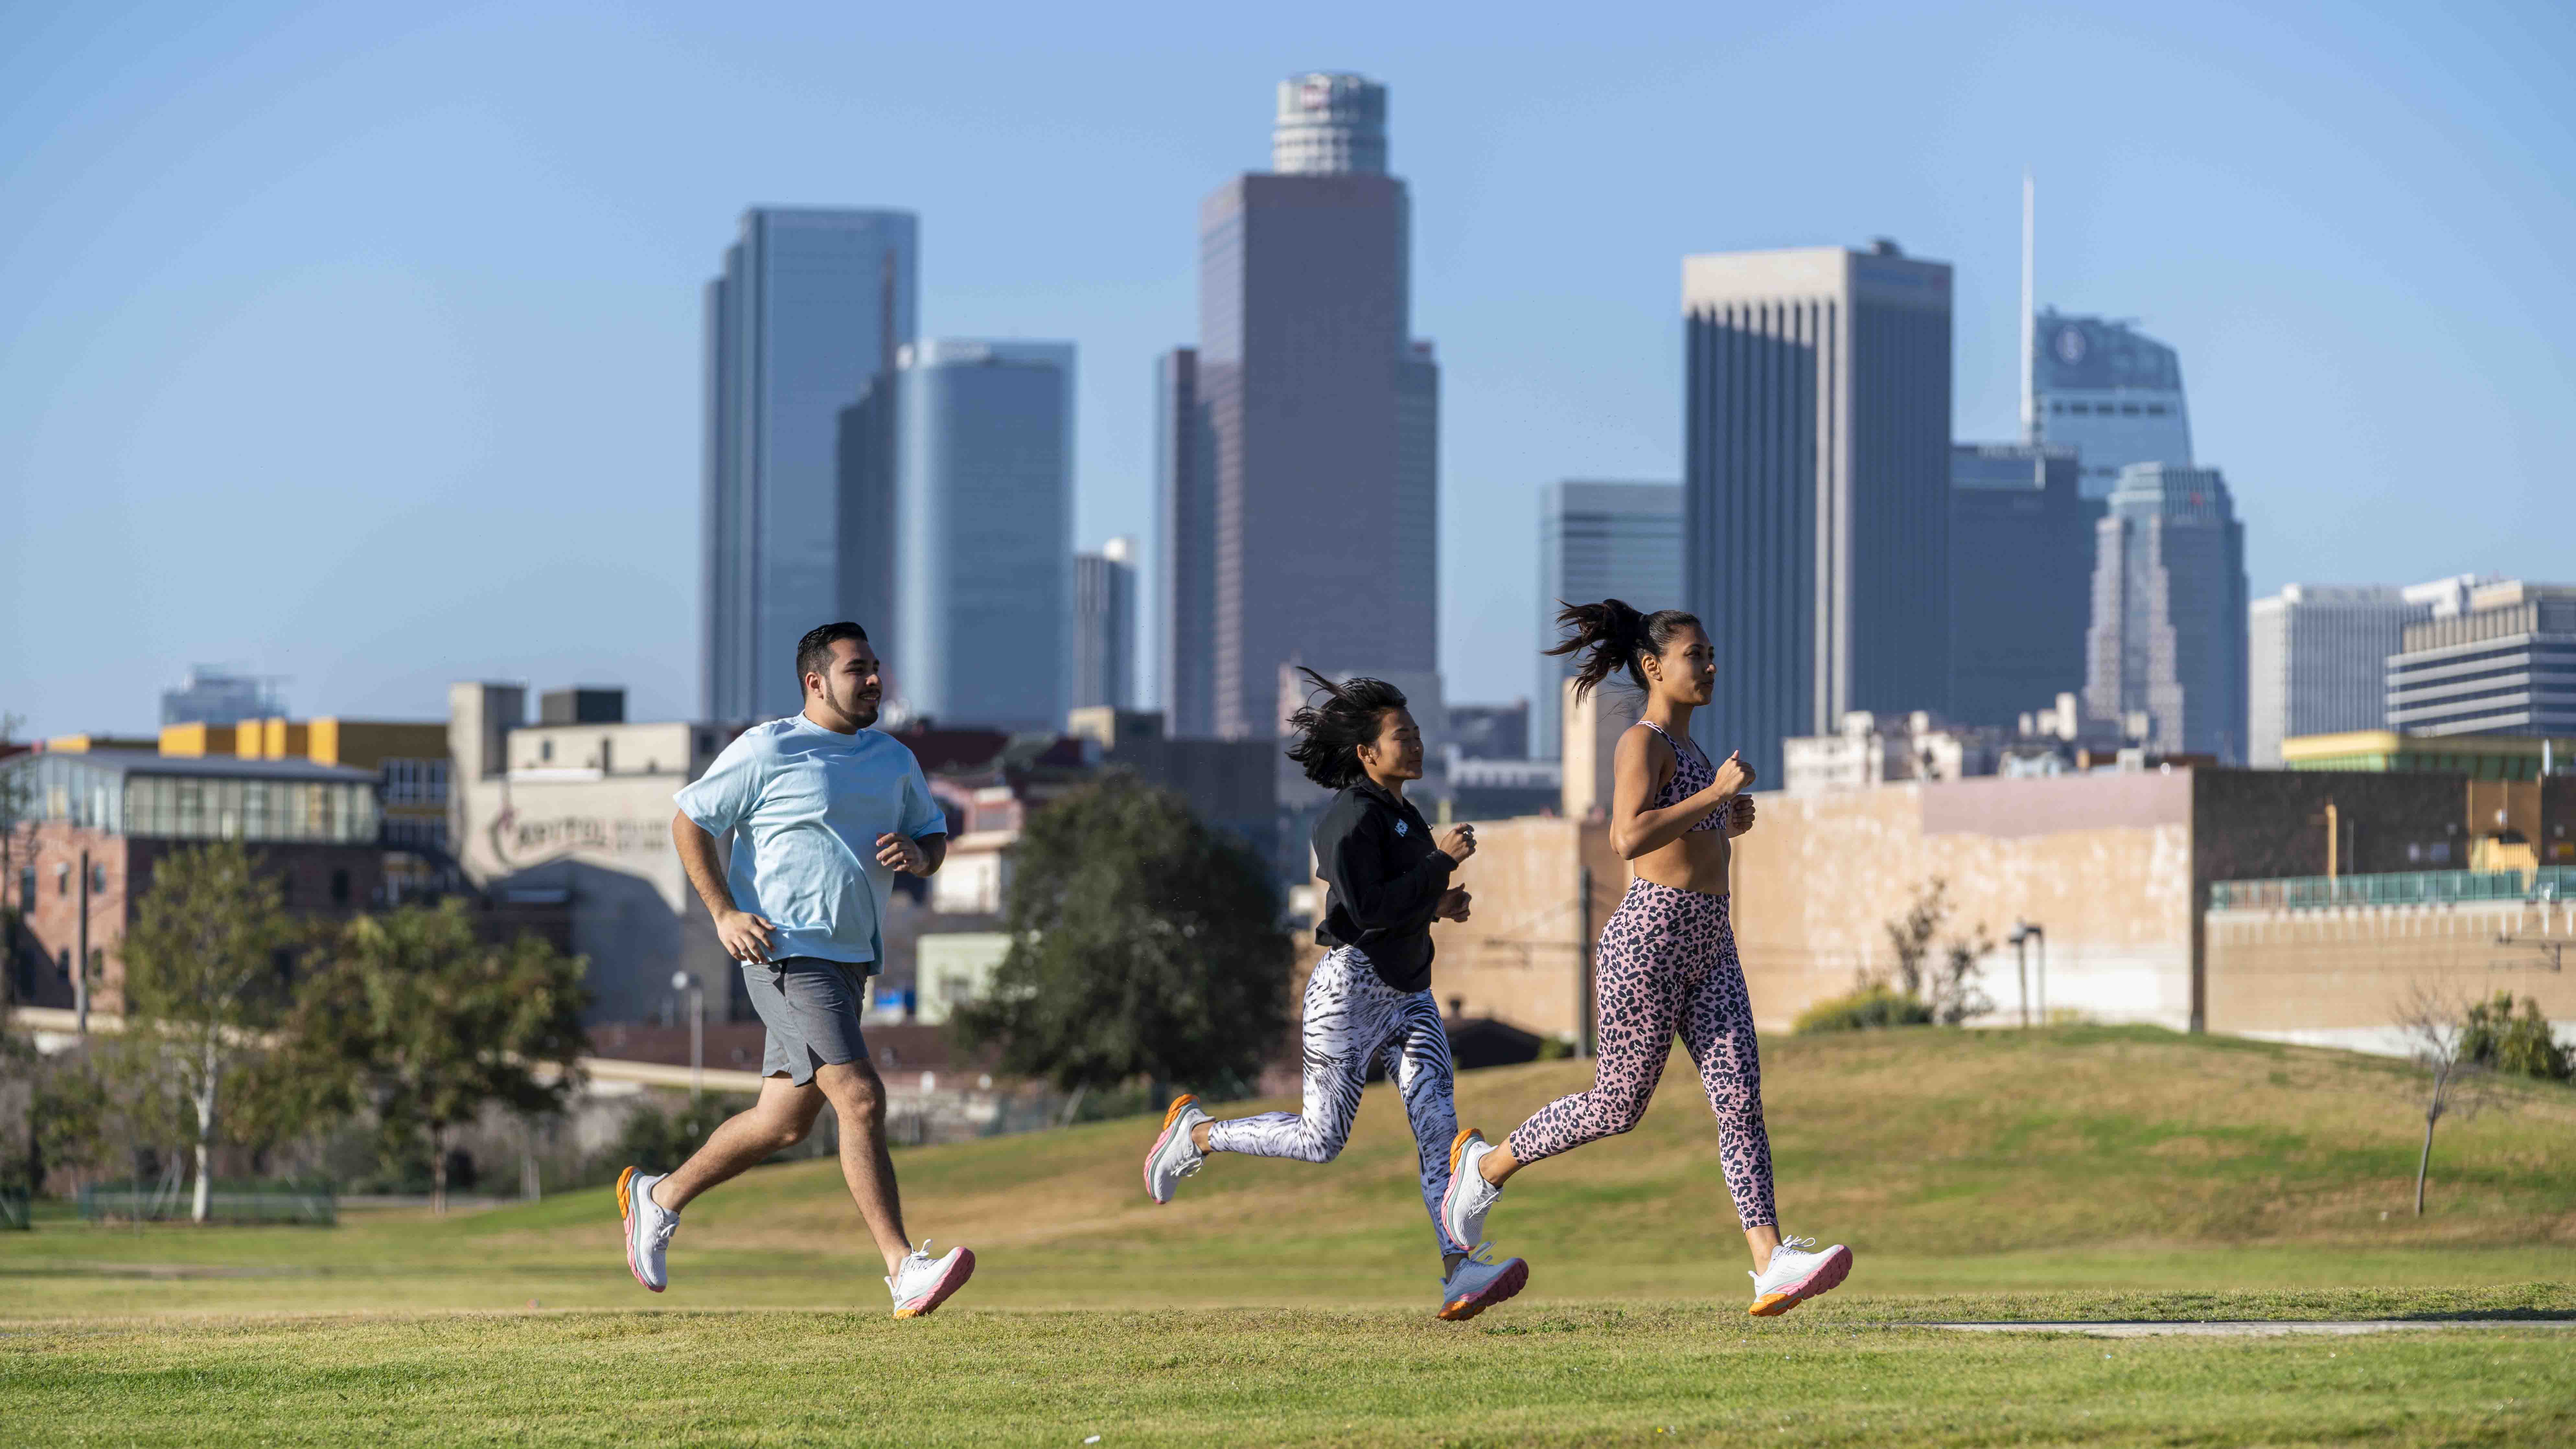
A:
(1667, 964)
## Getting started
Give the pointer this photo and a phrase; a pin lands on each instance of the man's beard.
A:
(861, 710)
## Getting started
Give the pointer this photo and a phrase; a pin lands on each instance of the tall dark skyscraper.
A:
(2021, 580)
(1816, 488)
(1306, 407)
(1185, 539)
(2168, 638)
(813, 305)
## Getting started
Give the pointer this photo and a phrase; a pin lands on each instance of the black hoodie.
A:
(1384, 880)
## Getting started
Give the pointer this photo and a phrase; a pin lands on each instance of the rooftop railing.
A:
(2402, 888)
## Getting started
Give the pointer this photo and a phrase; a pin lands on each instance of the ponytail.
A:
(1610, 635)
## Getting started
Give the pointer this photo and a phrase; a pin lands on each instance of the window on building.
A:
(63, 963)
(2155, 410)
(2129, 408)
(606, 756)
(339, 887)
(62, 881)
(546, 750)
(98, 878)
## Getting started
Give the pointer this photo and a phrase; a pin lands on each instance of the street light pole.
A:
(2020, 939)
(683, 981)
(80, 966)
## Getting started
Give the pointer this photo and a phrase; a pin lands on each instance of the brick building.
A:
(95, 824)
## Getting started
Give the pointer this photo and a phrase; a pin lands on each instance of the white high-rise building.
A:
(2317, 661)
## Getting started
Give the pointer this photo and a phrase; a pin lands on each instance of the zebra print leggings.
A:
(1353, 1018)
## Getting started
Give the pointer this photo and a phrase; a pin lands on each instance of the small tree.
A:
(420, 1023)
(2455, 1081)
(205, 980)
(1143, 944)
(1942, 976)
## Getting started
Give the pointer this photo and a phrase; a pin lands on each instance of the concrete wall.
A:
(2101, 862)
(1522, 953)
(2340, 977)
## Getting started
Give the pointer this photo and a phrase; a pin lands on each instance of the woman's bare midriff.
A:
(1696, 862)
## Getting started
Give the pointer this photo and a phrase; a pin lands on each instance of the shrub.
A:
(1867, 1009)
(2521, 1046)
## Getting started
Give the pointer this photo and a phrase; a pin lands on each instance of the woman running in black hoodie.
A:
(1387, 880)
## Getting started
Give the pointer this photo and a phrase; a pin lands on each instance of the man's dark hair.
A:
(814, 651)
(1329, 735)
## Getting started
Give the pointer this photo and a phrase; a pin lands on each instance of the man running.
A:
(823, 810)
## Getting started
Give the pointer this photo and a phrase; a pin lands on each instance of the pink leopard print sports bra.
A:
(1692, 773)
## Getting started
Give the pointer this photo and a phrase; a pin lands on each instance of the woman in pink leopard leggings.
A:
(1666, 964)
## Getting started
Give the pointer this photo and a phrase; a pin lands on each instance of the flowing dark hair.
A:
(1610, 635)
(1329, 734)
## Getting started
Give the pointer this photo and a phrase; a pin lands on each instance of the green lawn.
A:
(2072, 1173)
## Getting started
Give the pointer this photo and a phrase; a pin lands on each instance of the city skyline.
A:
(527, 501)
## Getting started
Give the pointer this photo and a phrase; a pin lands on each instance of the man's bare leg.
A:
(859, 1098)
(778, 1121)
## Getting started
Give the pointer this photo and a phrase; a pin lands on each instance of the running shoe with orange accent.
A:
(1797, 1273)
(1175, 1155)
(1469, 1197)
(649, 1227)
(1478, 1283)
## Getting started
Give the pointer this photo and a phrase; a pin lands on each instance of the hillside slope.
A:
(1949, 1161)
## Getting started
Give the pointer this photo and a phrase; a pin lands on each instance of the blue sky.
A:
(360, 344)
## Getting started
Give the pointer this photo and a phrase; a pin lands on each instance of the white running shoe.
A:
(1175, 1154)
(1470, 1197)
(1478, 1283)
(649, 1227)
(923, 1282)
(1797, 1272)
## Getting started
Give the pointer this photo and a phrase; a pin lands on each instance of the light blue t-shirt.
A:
(806, 805)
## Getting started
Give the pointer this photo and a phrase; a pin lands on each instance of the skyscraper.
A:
(1599, 541)
(2317, 662)
(2497, 656)
(1816, 488)
(1306, 407)
(812, 305)
(2021, 582)
(2110, 392)
(984, 529)
(1104, 626)
(1185, 534)
(2169, 612)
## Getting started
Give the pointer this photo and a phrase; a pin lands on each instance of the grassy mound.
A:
(2107, 1160)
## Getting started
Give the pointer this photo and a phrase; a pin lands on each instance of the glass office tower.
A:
(813, 304)
(2111, 393)
(984, 529)
(2167, 645)
(1816, 488)
(2021, 580)
(1599, 541)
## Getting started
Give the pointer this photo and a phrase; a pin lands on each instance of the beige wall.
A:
(2340, 976)
(2101, 863)
(1520, 955)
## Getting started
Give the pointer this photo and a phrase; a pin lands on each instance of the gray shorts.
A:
(811, 1007)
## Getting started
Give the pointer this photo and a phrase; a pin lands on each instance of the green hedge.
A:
(1867, 1009)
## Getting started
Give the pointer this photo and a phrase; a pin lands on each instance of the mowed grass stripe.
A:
(1596, 1374)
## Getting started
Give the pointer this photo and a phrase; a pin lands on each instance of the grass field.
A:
(2073, 1173)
